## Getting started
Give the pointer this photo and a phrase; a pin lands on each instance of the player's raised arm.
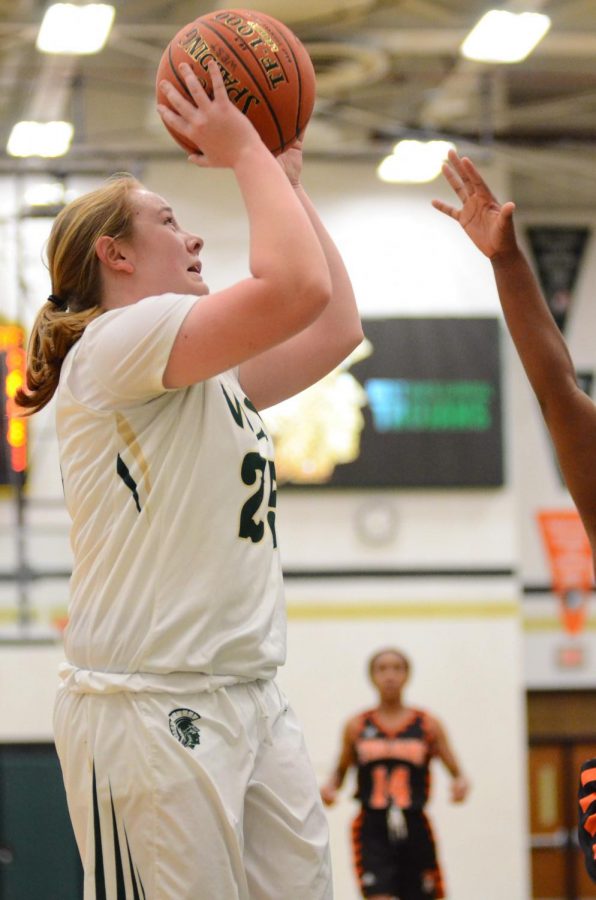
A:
(569, 414)
(301, 361)
(289, 284)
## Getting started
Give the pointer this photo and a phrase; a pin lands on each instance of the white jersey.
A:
(172, 497)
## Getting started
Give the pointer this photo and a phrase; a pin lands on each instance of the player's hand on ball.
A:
(291, 162)
(215, 126)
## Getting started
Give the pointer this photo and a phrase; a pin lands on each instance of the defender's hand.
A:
(486, 222)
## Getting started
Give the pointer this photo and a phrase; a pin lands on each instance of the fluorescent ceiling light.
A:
(67, 28)
(47, 139)
(414, 162)
(505, 37)
(45, 193)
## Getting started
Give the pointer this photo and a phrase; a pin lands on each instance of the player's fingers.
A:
(445, 208)
(173, 120)
(508, 209)
(456, 163)
(219, 88)
(175, 99)
(474, 177)
(194, 86)
(505, 219)
(454, 180)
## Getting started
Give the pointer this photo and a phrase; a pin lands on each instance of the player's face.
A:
(389, 675)
(166, 258)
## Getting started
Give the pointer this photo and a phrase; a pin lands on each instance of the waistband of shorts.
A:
(88, 681)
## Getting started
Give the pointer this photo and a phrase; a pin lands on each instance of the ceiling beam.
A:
(401, 42)
(447, 41)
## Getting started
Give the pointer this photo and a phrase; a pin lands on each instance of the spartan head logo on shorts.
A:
(181, 726)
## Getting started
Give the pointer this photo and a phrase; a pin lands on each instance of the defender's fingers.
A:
(445, 208)
(457, 163)
(454, 180)
(506, 213)
(508, 209)
(475, 178)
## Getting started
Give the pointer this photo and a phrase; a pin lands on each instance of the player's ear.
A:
(112, 254)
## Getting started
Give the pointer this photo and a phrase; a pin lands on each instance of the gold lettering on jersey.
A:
(411, 751)
(240, 413)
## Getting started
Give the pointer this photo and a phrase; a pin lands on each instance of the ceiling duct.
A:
(342, 67)
(292, 12)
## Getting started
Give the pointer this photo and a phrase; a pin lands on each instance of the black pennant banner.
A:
(558, 252)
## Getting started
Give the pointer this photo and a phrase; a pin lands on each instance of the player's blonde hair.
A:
(76, 282)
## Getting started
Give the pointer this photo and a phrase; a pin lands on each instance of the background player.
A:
(185, 769)
(391, 747)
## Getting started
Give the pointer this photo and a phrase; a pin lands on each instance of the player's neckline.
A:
(409, 716)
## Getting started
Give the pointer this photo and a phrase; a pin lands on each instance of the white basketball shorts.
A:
(200, 796)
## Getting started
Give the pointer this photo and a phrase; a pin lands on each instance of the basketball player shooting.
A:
(185, 768)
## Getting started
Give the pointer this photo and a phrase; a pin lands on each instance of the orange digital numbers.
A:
(13, 425)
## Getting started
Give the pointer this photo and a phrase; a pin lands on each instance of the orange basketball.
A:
(267, 71)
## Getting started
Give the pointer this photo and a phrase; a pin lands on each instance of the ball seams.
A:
(267, 71)
(252, 75)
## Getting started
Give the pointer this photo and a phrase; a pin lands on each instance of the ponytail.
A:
(54, 333)
(76, 280)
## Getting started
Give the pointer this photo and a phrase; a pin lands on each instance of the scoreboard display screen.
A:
(13, 426)
(429, 411)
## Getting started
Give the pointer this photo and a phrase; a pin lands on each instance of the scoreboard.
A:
(419, 408)
(13, 426)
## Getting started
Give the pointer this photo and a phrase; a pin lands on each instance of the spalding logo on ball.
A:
(267, 72)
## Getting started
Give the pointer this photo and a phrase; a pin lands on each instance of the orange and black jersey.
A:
(393, 766)
(587, 815)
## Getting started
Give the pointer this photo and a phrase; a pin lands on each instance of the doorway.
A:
(562, 735)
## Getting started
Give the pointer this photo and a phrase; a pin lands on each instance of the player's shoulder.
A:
(429, 721)
(356, 723)
(113, 321)
(422, 713)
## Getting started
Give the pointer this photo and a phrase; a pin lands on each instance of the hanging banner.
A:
(558, 252)
(570, 557)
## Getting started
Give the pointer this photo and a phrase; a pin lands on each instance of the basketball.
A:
(267, 71)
